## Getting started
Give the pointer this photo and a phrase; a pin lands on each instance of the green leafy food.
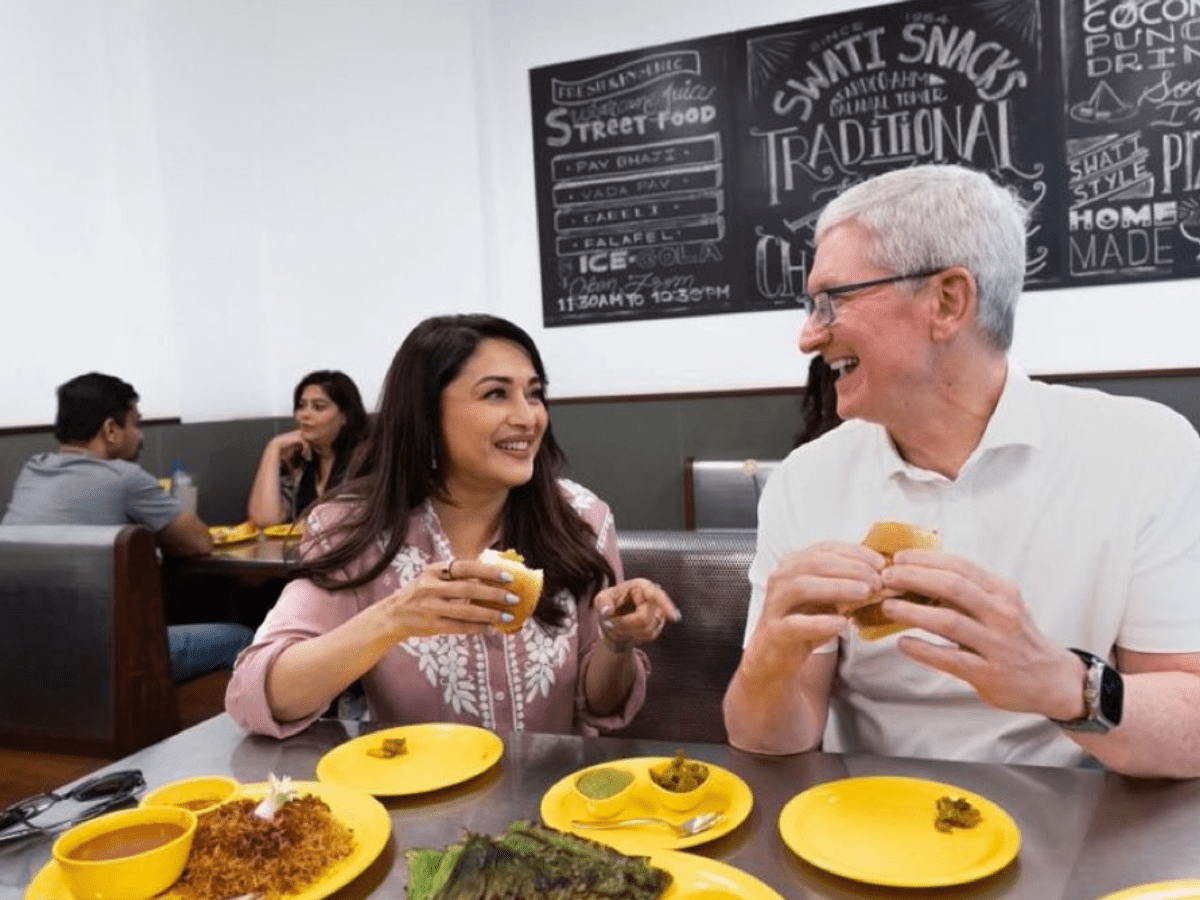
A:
(531, 862)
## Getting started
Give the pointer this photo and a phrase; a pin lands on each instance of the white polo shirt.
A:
(1089, 502)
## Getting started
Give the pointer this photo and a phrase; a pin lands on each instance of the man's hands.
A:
(994, 644)
(800, 607)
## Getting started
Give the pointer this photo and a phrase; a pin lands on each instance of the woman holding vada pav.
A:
(390, 587)
(297, 467)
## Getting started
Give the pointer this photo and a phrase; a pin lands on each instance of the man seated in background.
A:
(1065, 621)
(92, 479)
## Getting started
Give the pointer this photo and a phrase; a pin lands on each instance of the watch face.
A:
(1112, 695)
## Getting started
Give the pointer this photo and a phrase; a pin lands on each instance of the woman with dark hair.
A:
(298, 467)
(818, 406)
(391, 591)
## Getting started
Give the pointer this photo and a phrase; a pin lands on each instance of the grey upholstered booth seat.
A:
(84, 661)
(721, 494)
(693, 660)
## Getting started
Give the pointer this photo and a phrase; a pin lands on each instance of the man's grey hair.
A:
(934, 216)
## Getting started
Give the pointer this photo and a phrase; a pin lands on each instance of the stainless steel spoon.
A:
(686, 828)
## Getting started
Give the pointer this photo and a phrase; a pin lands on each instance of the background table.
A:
(1084, 833)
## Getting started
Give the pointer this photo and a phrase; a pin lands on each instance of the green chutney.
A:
(600, 784)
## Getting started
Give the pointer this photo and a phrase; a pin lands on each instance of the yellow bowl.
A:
(200, 795)
(599, 792)
(679, 801)
(140, 873)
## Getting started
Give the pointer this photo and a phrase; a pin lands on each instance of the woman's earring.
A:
(433, 459)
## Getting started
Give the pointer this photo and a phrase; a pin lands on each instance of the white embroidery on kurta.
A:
(546, 653)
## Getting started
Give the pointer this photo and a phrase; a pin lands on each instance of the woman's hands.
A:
(292, 448)
(633, 612)
(446, 598)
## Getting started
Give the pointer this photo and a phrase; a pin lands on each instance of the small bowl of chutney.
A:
(200, 795)
(604, 790)
(128, 855)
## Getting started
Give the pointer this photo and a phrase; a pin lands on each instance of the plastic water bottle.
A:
(183, 488)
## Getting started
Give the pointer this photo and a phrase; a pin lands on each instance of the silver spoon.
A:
(686, 828)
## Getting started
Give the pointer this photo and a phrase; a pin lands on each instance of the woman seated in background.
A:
(298, 467)
(460, 458)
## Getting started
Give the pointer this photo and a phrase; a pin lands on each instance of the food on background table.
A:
(526, 584)
(680, 775)
(389, 749)
(532, 862)
(888, 538)
(955, 812)
(224, 534)
(236, 852)
(599, 784)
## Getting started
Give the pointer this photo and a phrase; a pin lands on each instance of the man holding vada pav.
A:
(1059, 622)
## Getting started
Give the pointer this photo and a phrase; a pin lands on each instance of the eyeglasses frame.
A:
(111, 790)
(821, 304)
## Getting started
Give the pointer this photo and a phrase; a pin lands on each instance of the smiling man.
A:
(1066, 622)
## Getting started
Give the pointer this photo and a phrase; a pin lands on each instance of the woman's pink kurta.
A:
(524, 681)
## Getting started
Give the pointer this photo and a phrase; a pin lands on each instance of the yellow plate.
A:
(224, 535)
(362, 813)
(726, 792)
(286, 530)
(880, 830)
(1187, 889)
(438, 755)
(697, 878)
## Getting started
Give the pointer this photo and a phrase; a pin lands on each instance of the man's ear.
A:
(109, 430)
(957, 298)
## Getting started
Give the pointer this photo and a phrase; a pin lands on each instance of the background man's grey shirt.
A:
(81, 489)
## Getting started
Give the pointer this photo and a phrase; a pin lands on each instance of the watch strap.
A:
(1098, 679)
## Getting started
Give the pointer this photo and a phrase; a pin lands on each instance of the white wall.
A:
(212, 197)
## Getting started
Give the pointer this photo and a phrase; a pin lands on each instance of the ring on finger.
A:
(448, 571)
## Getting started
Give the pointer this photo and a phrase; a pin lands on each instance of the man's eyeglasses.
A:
(821, 306)
(84, 801)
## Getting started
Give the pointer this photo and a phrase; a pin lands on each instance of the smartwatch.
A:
(1103, 696)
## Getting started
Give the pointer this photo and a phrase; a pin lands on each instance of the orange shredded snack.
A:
(235, 852)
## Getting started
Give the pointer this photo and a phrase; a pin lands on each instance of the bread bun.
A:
(888, 538)
(526, 584)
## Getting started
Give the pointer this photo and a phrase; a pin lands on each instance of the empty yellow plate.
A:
(561, 805)
(880, 830)
(697, 878)
(437, 755)
(1188, 889)
(223, 535)
(360, 812)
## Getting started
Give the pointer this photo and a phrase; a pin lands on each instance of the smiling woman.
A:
(461, 458)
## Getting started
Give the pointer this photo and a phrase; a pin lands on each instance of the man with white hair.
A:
(1066, 618)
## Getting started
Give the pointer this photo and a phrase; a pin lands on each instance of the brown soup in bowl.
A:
(128, 841)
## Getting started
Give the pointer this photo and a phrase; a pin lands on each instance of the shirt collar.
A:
(1014, 423)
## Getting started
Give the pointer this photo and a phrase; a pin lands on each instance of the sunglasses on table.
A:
(96, 796)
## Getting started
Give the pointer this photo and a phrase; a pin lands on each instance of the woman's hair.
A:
(343, 393)
(928, 216)
(818, 406)
(398, 471)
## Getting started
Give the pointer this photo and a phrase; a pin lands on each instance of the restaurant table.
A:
(1085, 833)
(255, 560)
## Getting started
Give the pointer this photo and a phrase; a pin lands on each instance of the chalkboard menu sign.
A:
(633, 184)
(833, 101)
(1132, 139)
(686, 179)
